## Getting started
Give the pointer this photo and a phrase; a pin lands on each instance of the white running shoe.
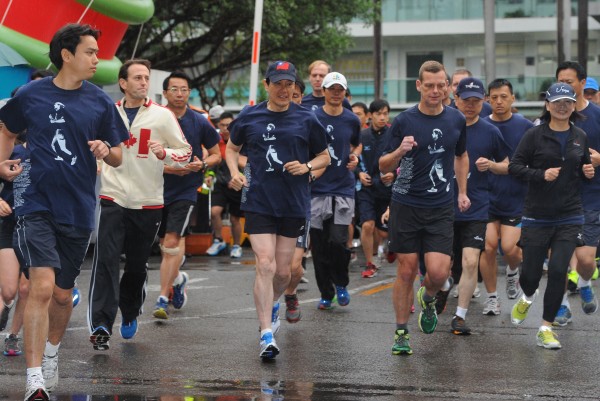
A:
(50, 371)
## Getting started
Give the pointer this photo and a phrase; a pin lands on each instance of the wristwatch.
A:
(108, 145)
(309, 167)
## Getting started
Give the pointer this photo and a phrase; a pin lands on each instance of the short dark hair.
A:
(177, 74)
(300, 84)
(362, 106)
(572, 65)
(499, 83)
(124, 70)
(68, 37)
(378, 104)
(226, 114)
(37, 74)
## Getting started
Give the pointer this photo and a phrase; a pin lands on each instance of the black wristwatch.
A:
(108, 145)
(309, 167)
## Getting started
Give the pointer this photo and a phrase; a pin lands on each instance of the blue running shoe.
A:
(161, 308)
(268, 347)
(589, 302)
(563, 316)
(324, 304)
(216, 248)
(76, 296)
(180, 292)
(275, 322)
(129, 329)
(343, 297)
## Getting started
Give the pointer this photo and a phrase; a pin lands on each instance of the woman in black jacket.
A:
(552, 158)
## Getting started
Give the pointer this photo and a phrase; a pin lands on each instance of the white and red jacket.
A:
(138, 182)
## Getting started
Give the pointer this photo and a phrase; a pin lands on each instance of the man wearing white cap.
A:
(332, 204)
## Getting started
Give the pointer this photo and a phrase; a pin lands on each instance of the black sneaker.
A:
(442, 297)
(459, 326)
(99, 339)
(4, 315)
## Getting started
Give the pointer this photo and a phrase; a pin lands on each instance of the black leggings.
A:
(533, 262)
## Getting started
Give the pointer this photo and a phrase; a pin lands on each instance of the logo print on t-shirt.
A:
(272, 154)
(330, 146)
(437, 169)
(59, 139)
(270, 134)
(57, 117)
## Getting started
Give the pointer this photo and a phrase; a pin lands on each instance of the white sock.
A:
(565, 301)
(529, 299)
(461, 312)
(510, 271)
(544, 328)
(51, 350)
(583, 283)
(163, 298)
(10, 305)
(263, 332)
(493, 294)
(34, 375)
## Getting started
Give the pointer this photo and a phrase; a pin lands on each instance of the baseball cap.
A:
(591, 83)
(334, 78)
(470, 87)
(280, 70)
(215, 112)
(560, 91)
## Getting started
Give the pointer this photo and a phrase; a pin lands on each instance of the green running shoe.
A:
(547, 339)
(428, 316)
(520, 309)
(401, 345)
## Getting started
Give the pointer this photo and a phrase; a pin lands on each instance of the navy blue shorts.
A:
(591, 228)
(372, 208)
(41, 242)
(7, 229)
(290, 227)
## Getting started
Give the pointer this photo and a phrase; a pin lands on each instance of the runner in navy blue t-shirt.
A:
(428, 141)
(332, 204)
(574, 74)
(316, 73)
(70, 124)
(181, 191)
(487, 153)
(458, 75)
(507, 195)
(279, 138)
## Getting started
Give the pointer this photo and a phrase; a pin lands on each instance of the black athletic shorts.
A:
(290, 227)
(176, 218)
(511, 221)
(470, 234)
(7, 229)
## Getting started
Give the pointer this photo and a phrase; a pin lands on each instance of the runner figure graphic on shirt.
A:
(437, 167)
(272, 153)
(269, 136)
(62, 144)
(57, 117)
(331, 150)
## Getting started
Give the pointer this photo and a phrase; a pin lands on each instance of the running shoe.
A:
(343, 297)
(179, 290)
(513, 289)
(391, 257)
(50, 371)
(401, 345)
(519, 311)
(268, 347)
(563, 316)
(12, 345)
(353, 257)
(275, 322)
(476, 293)
(76, 296)
(596, 272)
(572, 283)
(454, 292)
(324, 304)
(370, 271)
(304, 280)
(36, 392)
(161, 308)
(100, 338)
(427, 317)
(459, 326)
(292, 308)
(236, 252)
(442, 297)
(4, 315)
(381, 252)
(589, 302)
(216, 248)
(548, 339)
(129, 329)
(492, 306)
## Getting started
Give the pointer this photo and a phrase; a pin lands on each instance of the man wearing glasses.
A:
(180, 194)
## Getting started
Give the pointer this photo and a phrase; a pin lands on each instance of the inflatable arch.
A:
(28, 26)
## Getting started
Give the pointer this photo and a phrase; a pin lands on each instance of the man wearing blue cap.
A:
(279, 138)
(590, 91)
(488, 153)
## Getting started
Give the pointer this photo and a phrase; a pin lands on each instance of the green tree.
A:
(210, 39)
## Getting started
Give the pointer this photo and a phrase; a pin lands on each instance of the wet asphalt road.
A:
(209, 349)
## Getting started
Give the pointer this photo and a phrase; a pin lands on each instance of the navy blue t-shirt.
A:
(507, 194)
(427, 171)
(198, 132)
(343, 130)
(483, 140)
(374, 144)
(271, 139)
(313, 103)
(590, 195)
(59, 124)
(21, 181)
(486, 108)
